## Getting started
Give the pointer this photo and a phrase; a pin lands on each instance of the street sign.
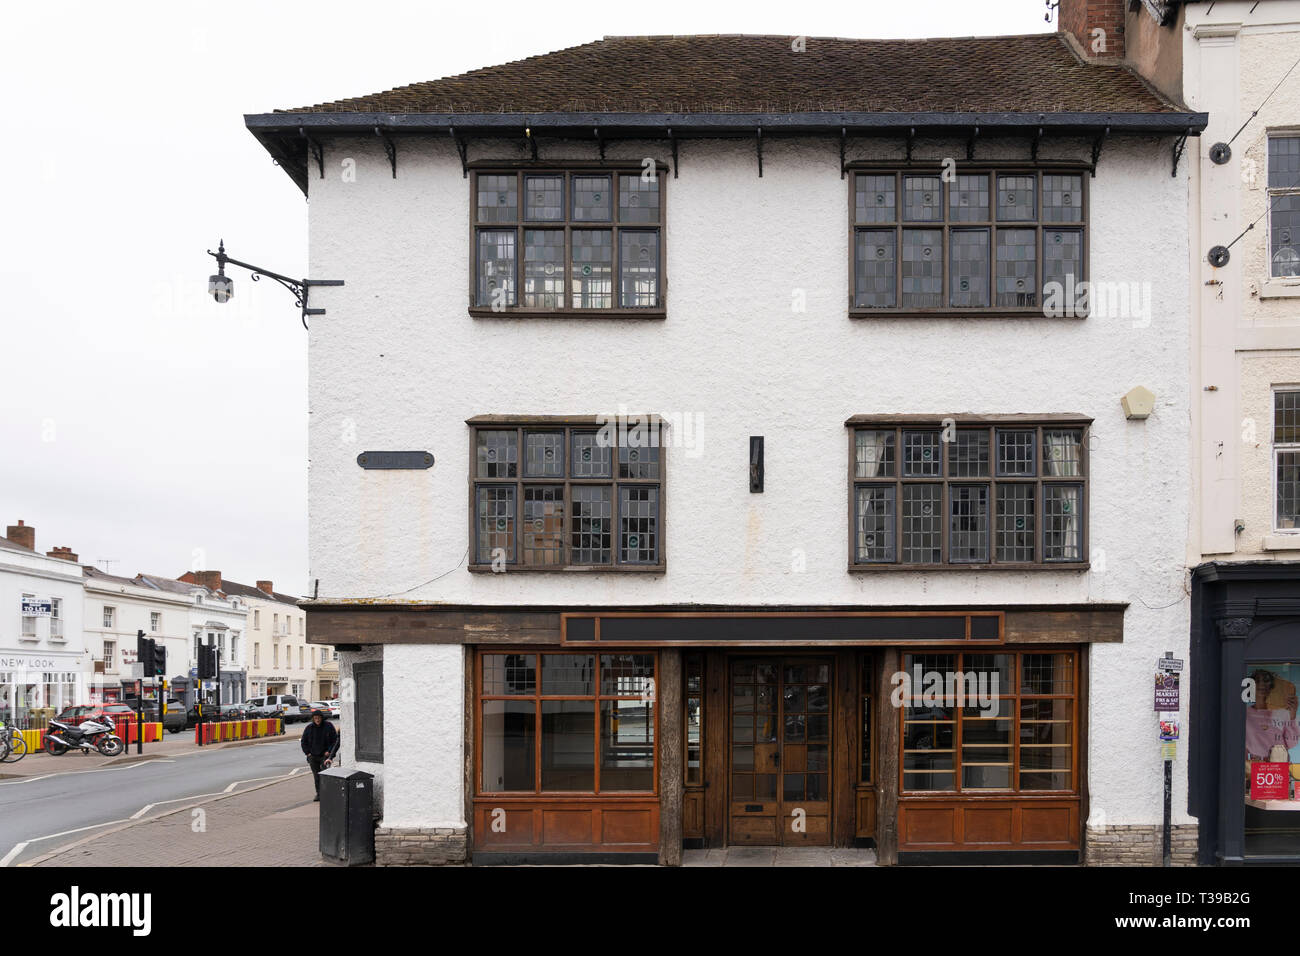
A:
(194, 672)
(1169, 664)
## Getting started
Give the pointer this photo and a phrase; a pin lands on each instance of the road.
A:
(40, 814)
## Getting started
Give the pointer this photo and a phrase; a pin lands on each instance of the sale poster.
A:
(1269, 781)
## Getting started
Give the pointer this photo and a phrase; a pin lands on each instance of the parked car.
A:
(234, 711)
(174, 721)
(326, 708)
(211, 714)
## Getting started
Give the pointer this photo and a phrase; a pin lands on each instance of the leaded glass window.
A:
(998, 240)
(575, 507)
(977, 493)
(567, 241)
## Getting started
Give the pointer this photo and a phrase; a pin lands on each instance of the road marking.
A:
(19, 848)
(280, 776)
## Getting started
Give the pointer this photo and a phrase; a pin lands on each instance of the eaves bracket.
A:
(1096, 150)
(462, 148)
(390, 148)
(672, 141)
(317, 153)
(1179, 145)
(759, 140)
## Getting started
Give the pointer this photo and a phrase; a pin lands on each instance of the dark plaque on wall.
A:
(395, 459)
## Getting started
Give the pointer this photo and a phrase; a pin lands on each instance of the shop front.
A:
(1246, 659)
(933, 735)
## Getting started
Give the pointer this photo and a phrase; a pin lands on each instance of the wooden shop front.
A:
(626, 735)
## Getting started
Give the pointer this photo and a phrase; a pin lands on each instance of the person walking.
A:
(320, 742)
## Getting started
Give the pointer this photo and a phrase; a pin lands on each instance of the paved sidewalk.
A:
(273, 825)
(779, 856)
(37, 763)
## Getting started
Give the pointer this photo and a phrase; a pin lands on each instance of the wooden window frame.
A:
(567, 169)
(537, 697)
(992, 423)
(1018, 655)
(1276, 450)
(567, 425)
(946, 226)
(866, 663)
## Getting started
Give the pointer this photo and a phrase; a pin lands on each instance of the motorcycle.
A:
(94, 734)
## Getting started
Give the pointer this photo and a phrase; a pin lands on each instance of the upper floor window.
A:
(257, 620)
(56, 618)
(1284, 205)
(551, 495)
(934, 493)
(1286, 457)
(155, 620)
(29, 620)
(579, 241)
(110, 614)
(994, 239)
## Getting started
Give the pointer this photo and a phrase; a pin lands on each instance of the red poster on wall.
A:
(1269, 781)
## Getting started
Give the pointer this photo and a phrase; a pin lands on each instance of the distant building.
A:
(214, 618)
(117, 609)
(43, 660)
(278, 659)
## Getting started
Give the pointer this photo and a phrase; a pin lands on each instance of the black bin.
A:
(347, 822)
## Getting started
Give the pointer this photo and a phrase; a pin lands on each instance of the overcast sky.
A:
(141, 423)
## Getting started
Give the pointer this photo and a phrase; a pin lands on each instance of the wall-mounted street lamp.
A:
(221, 287)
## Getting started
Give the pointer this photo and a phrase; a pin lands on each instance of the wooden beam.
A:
(671, 765)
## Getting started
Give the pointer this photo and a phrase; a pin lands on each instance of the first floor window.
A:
(29, 620)
(155, 621)
(56, 618)
(257, 654)
(558, 722)
(110, 650)
(566, 495)
(968, 493)
(1286, 458)
(110, 615)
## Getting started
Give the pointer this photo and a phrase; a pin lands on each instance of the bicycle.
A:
(13, 745)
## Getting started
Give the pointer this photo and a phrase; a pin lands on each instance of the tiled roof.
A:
(245, 590)
(763, 74)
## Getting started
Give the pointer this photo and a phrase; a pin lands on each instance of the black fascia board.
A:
(284, 135)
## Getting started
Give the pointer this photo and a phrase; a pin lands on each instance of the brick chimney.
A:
(1082, 18)
(208, 579)
(63, 554)
(265, 586)
(21, 534)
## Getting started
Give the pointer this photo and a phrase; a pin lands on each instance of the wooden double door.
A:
(779, 750)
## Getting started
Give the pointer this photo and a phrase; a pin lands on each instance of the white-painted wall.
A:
(23, 660)
(133, 607)
(398, 363)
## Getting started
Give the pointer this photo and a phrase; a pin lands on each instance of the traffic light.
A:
(144, 653)
(207, 662)
(159, 659)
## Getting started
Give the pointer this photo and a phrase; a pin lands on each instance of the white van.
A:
(284, 706)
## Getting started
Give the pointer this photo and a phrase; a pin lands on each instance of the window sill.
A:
(29, 638)
(1280, 288)
(574, 568)
(481, 312)
(1062, 566)
(953, 313)
(1282, 541)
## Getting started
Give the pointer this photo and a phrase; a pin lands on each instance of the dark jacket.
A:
(320, 741)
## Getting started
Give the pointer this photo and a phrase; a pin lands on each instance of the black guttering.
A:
(286, 136)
